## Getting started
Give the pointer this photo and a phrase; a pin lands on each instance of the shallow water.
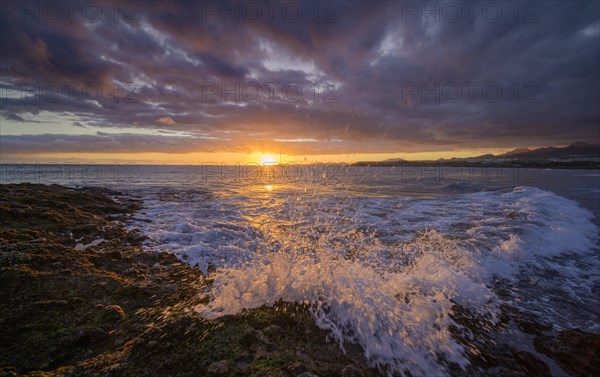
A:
(379, 254)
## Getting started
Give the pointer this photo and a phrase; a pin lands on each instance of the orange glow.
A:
(232, 158)
(269, 159)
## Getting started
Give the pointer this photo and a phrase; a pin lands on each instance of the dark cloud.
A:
(230, 80)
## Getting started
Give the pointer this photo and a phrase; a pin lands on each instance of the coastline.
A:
(72, 305)
(114, 309)
(484, 164)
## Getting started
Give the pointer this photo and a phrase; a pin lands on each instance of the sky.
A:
(294, 81)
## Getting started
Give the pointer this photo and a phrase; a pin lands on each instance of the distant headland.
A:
(579, 155)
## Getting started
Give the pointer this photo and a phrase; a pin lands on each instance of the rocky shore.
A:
(80, 296)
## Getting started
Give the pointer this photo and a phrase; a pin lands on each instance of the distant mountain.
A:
(580, 144)
(482, 157)
(516, 151)
(579, 149)
(395, 160)
(575, 152)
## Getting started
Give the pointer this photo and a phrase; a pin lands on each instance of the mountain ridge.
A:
(577, 151)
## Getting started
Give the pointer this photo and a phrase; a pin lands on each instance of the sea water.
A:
(379, 254)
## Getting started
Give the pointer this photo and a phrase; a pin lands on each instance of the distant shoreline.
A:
(587, 165)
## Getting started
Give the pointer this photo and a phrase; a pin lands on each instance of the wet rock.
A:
(250, 332)
(85, 229)
(273, 332)
(48, 303)
(114, 313)
(270, 373)
(530, 325)
(307, 374)
(91, 336)
(527, 322)
(8, 371)
(531, 365)
(575, 351)
(250, 336)
(220, 368)
(352, 371)
(135, 238)
(114, 254)
(262, 353)
(86, 338)
(503, 360)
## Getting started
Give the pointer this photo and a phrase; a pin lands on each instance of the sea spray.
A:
(400, 319)
(385, 271)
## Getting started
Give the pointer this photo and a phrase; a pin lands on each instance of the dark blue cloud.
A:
(162, 64)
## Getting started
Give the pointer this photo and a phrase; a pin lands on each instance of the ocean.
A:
(379, 254)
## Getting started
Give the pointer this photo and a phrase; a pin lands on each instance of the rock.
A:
(115, 254)
(261, 352)
(8, 371)
(56, 303)
(93, 335)
(86, 335)
(273, 332)
(85, 338)
(530, 324)
(269, 373)
(250, 332)
(352, 371)
(220, 368)
(114, 313)
(307, 374)
(250, 336)
(575, 351)
(81, 230)
(531, 365)
(135, 238)
(113, 370)
(503, 360)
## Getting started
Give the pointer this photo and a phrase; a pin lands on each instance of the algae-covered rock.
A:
(114, 313)
(116, 309)
(577, 352)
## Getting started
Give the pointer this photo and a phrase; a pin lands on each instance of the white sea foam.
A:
(383, 271)
(83, 247)
(401, 319)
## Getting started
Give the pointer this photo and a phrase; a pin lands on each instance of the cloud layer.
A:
(306, 77)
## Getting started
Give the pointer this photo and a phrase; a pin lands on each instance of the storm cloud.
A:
(307, 77)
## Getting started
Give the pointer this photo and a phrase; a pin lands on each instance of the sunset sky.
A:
(216, 81)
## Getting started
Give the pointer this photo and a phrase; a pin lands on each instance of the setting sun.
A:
(269, 159)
